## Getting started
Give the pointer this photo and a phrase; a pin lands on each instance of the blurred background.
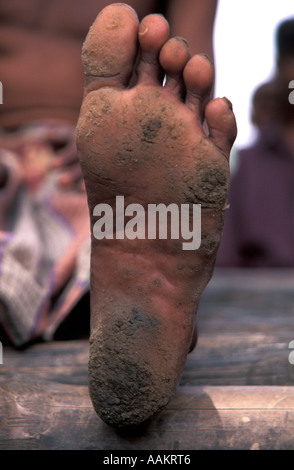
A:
(244, 41)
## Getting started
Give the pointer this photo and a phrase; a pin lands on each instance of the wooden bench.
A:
(236, 391)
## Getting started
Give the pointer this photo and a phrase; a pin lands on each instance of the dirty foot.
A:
(146, 144)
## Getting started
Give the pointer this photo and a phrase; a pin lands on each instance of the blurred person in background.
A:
(259, 225)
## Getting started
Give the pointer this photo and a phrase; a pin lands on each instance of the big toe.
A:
(110, 48)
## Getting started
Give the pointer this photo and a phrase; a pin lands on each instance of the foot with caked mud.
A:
(146, 143)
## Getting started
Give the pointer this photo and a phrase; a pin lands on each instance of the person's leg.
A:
(146, 143)
(193, 19)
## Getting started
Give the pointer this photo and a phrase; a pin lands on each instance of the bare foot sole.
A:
(147, 145)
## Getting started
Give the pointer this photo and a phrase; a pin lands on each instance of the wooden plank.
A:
(60, 416)
(236, 391)
(251, 279)
(44, 404)
(223, 359)
(248, 302)
(240, 359)
(245, 324)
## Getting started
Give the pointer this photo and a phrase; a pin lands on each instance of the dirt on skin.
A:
(143, 143)
(128, 383)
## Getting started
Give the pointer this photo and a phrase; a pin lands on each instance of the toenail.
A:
(228, 103)
(142, 33)
(179, 38)
(207, 57)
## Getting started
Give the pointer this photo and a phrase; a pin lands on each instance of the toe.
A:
(221, 123)
(198, 78)
(110, 48)
(173, 57)
(153, 33)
